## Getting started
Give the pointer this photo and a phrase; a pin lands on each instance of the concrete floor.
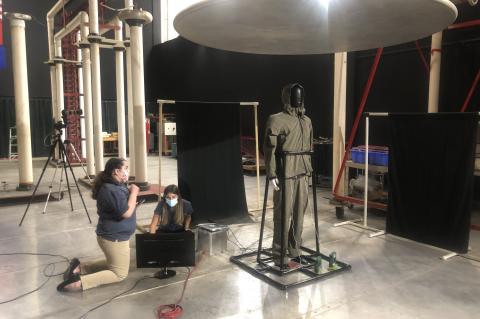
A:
(390, 277)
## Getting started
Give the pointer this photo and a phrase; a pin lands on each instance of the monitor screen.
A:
(165, 250)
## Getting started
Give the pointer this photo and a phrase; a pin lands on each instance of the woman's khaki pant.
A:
(113, 269)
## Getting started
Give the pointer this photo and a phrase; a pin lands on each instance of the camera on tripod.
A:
(63, 123)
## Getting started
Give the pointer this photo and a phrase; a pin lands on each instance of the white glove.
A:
(276, 184)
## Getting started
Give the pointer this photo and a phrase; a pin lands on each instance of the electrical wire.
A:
(164, 310)
(48, 136)
(37, 21)
(44, 271)
(113, 9)
(237, 243)
(114, 297)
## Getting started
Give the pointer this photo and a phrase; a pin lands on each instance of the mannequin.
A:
(288, 132)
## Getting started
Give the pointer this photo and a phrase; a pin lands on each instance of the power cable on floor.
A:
(44, 271)
(114, 297)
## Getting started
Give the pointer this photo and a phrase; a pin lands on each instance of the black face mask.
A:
(296, 96)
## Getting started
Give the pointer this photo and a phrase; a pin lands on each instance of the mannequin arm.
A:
(276, 183)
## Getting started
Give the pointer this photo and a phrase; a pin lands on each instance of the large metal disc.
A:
(311, 26)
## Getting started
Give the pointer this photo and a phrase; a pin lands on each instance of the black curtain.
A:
(431, 178)
(41, 124)
(109, 116)
(209, 160)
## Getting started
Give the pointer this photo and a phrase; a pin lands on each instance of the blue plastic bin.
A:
(375, 157)
(358, 155)
(379, 158)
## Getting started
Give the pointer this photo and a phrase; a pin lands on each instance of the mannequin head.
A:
(296, 96)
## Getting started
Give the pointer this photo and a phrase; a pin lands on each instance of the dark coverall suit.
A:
(289, 130)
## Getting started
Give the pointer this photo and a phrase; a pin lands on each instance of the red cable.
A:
(169, 311)
(173, 311)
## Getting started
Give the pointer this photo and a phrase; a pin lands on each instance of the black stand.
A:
(64, 158)
(165, 273)
(310, 263)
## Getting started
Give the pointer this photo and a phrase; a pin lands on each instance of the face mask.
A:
(171, 202)
(124, 175)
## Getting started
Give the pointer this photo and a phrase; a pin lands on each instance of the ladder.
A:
(12, 143)
(72, 103)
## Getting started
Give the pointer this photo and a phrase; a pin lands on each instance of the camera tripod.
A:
(58, 163)
(63, 159)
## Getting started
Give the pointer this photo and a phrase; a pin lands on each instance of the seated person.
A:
(172, 213)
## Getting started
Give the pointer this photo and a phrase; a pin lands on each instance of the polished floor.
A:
(390, 277)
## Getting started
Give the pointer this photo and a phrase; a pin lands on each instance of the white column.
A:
(87, 96)
(339, 109)
(22, 107)
(119, 74)
(94, 40)
(136, 19)
(131, 131)
(435, 64)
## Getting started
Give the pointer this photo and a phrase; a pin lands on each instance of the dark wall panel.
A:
(182, 70)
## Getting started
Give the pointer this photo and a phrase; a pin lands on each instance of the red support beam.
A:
(422, 57)
(470, 93)
(361, 107)
(464, 25)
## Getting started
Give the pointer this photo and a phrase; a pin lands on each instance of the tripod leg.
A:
(50, 189)
(262, 225)
(78, 188)
(61, 183)
(52, 150)
(81, 163)
(63, 154)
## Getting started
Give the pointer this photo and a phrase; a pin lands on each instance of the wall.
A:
(182, 70)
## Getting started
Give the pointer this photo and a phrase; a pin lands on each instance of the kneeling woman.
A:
(116, 223)
(172, 213)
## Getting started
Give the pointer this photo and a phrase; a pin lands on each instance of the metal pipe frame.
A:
(264, 264)
(377, 232)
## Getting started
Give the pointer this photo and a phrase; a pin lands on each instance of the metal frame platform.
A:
(265, 267)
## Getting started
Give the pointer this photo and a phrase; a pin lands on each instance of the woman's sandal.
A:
(74, 263)
(72, 279)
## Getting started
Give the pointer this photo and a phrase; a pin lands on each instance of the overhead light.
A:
(325, 3)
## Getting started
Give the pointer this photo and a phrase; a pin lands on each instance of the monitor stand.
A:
(164, 273)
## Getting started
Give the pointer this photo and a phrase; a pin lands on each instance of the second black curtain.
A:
(209, 160)
(431, 178)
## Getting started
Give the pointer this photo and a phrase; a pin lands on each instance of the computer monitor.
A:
(162, 250)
